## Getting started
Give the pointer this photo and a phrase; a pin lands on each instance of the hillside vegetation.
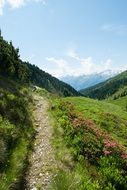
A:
(90, 144)
(16, 102)
(50, 83)
(16, 133)
(11, 66)
(115, 87)
(89, 136)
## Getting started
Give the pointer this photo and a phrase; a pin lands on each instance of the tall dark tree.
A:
(13, 67)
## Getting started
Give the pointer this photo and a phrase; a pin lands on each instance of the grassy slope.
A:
(122, 102)
(107, 115)
(15, 132)
(83, 127)
(79, 172)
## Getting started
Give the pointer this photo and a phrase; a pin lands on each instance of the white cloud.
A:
(60, 62)
(44, 2)
(107, 64)
(82, 66)
(2, 3)
(17, 3)
(85, 64)
(72, 53)
(117, 29)
(61, 66)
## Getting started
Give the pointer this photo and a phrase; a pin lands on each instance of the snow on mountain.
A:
(85, 81)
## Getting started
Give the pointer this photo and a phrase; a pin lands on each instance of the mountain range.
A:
(11, 66)
(88, 136)
(85, 81)
(114, 87)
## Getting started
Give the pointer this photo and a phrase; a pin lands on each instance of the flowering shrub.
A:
(124, 156)
(95, 145)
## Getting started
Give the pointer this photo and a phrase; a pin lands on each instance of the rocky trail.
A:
(42, 161)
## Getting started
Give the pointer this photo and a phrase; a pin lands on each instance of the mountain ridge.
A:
(85, 81)
(108, 88)
(11, 66)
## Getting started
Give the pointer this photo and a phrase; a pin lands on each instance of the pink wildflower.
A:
(124, 156)
(108, 143)
(107, 152)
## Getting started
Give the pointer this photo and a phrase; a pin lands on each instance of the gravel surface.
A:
(42, 161)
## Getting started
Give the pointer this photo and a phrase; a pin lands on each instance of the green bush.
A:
(93, 144)
(112, 173)
(3, 153)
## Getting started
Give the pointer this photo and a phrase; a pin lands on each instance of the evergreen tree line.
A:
(13, 67)
(10, 64)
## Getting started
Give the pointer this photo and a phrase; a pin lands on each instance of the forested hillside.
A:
(16, 103)
(89, 136)
(114, 87)
(13, 67)
(50, 83)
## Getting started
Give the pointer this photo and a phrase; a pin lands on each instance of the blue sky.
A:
(68, 36)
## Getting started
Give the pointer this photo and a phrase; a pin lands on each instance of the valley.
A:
(53, 137)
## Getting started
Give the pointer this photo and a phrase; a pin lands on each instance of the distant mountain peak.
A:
(114, 87)
(87, 80)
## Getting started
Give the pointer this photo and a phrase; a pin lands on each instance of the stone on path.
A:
(42, 162)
